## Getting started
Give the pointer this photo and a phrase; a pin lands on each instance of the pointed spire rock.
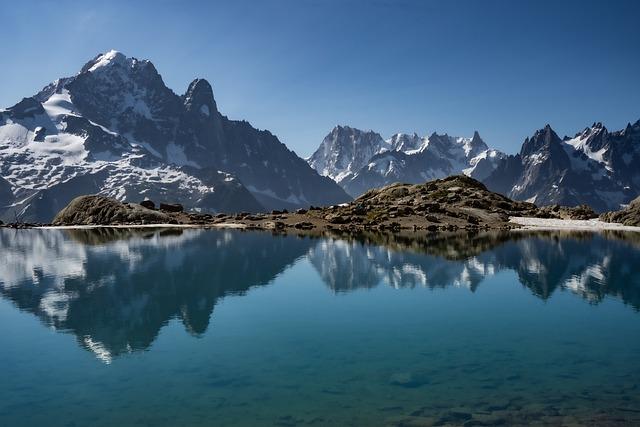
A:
(199, 98)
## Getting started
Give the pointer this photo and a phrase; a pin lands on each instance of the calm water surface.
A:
(228, 328)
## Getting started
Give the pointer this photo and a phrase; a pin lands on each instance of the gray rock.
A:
(97, 210)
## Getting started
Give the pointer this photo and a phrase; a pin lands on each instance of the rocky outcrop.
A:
(627, 216)
(443, 204)
(449, 204)
(582, 212)
(99, 210)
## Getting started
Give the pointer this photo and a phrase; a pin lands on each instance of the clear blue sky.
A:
(297, 68)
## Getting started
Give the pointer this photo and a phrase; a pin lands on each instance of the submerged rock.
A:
(408, 380)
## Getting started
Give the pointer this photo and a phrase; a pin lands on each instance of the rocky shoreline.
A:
(456, 203)
(450, 204)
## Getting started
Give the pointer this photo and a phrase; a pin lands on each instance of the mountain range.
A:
(360, 160)
(595, 167)
(116, 129)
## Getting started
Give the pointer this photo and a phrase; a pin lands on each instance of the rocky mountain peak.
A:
(113, 59)
(632, 129)
(354, 134)
(199, 98)
(542, 138)
(345, 150)
(477, 144)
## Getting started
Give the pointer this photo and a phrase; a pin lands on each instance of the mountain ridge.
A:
(361, 160)
(594, 167)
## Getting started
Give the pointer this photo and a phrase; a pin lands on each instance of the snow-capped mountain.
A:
(359, 160)
(595, 167)
(344, 151)
(116, 129)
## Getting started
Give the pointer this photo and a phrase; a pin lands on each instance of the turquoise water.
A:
(230, 328)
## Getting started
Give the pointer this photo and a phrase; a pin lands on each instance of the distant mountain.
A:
(345, 151)
(595, 167)
(116, 129)
(359, 160)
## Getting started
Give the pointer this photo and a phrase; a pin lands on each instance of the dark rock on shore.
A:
(627, 216)
(582, 212)
(148, 204)
(171, 207)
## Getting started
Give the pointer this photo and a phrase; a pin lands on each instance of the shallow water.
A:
(201, 328)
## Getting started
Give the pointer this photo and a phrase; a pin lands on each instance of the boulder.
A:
(148, 204)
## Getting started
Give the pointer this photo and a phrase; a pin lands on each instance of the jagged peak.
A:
(476, 143)
(596, 128)
(341, 128)
(345, 130)
(545, 137)
(632, 128)
(546, 132)
(476, 139)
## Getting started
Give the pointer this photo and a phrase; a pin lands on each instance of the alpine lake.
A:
(195, 327)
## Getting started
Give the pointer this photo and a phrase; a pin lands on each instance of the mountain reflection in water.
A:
(114, 289)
